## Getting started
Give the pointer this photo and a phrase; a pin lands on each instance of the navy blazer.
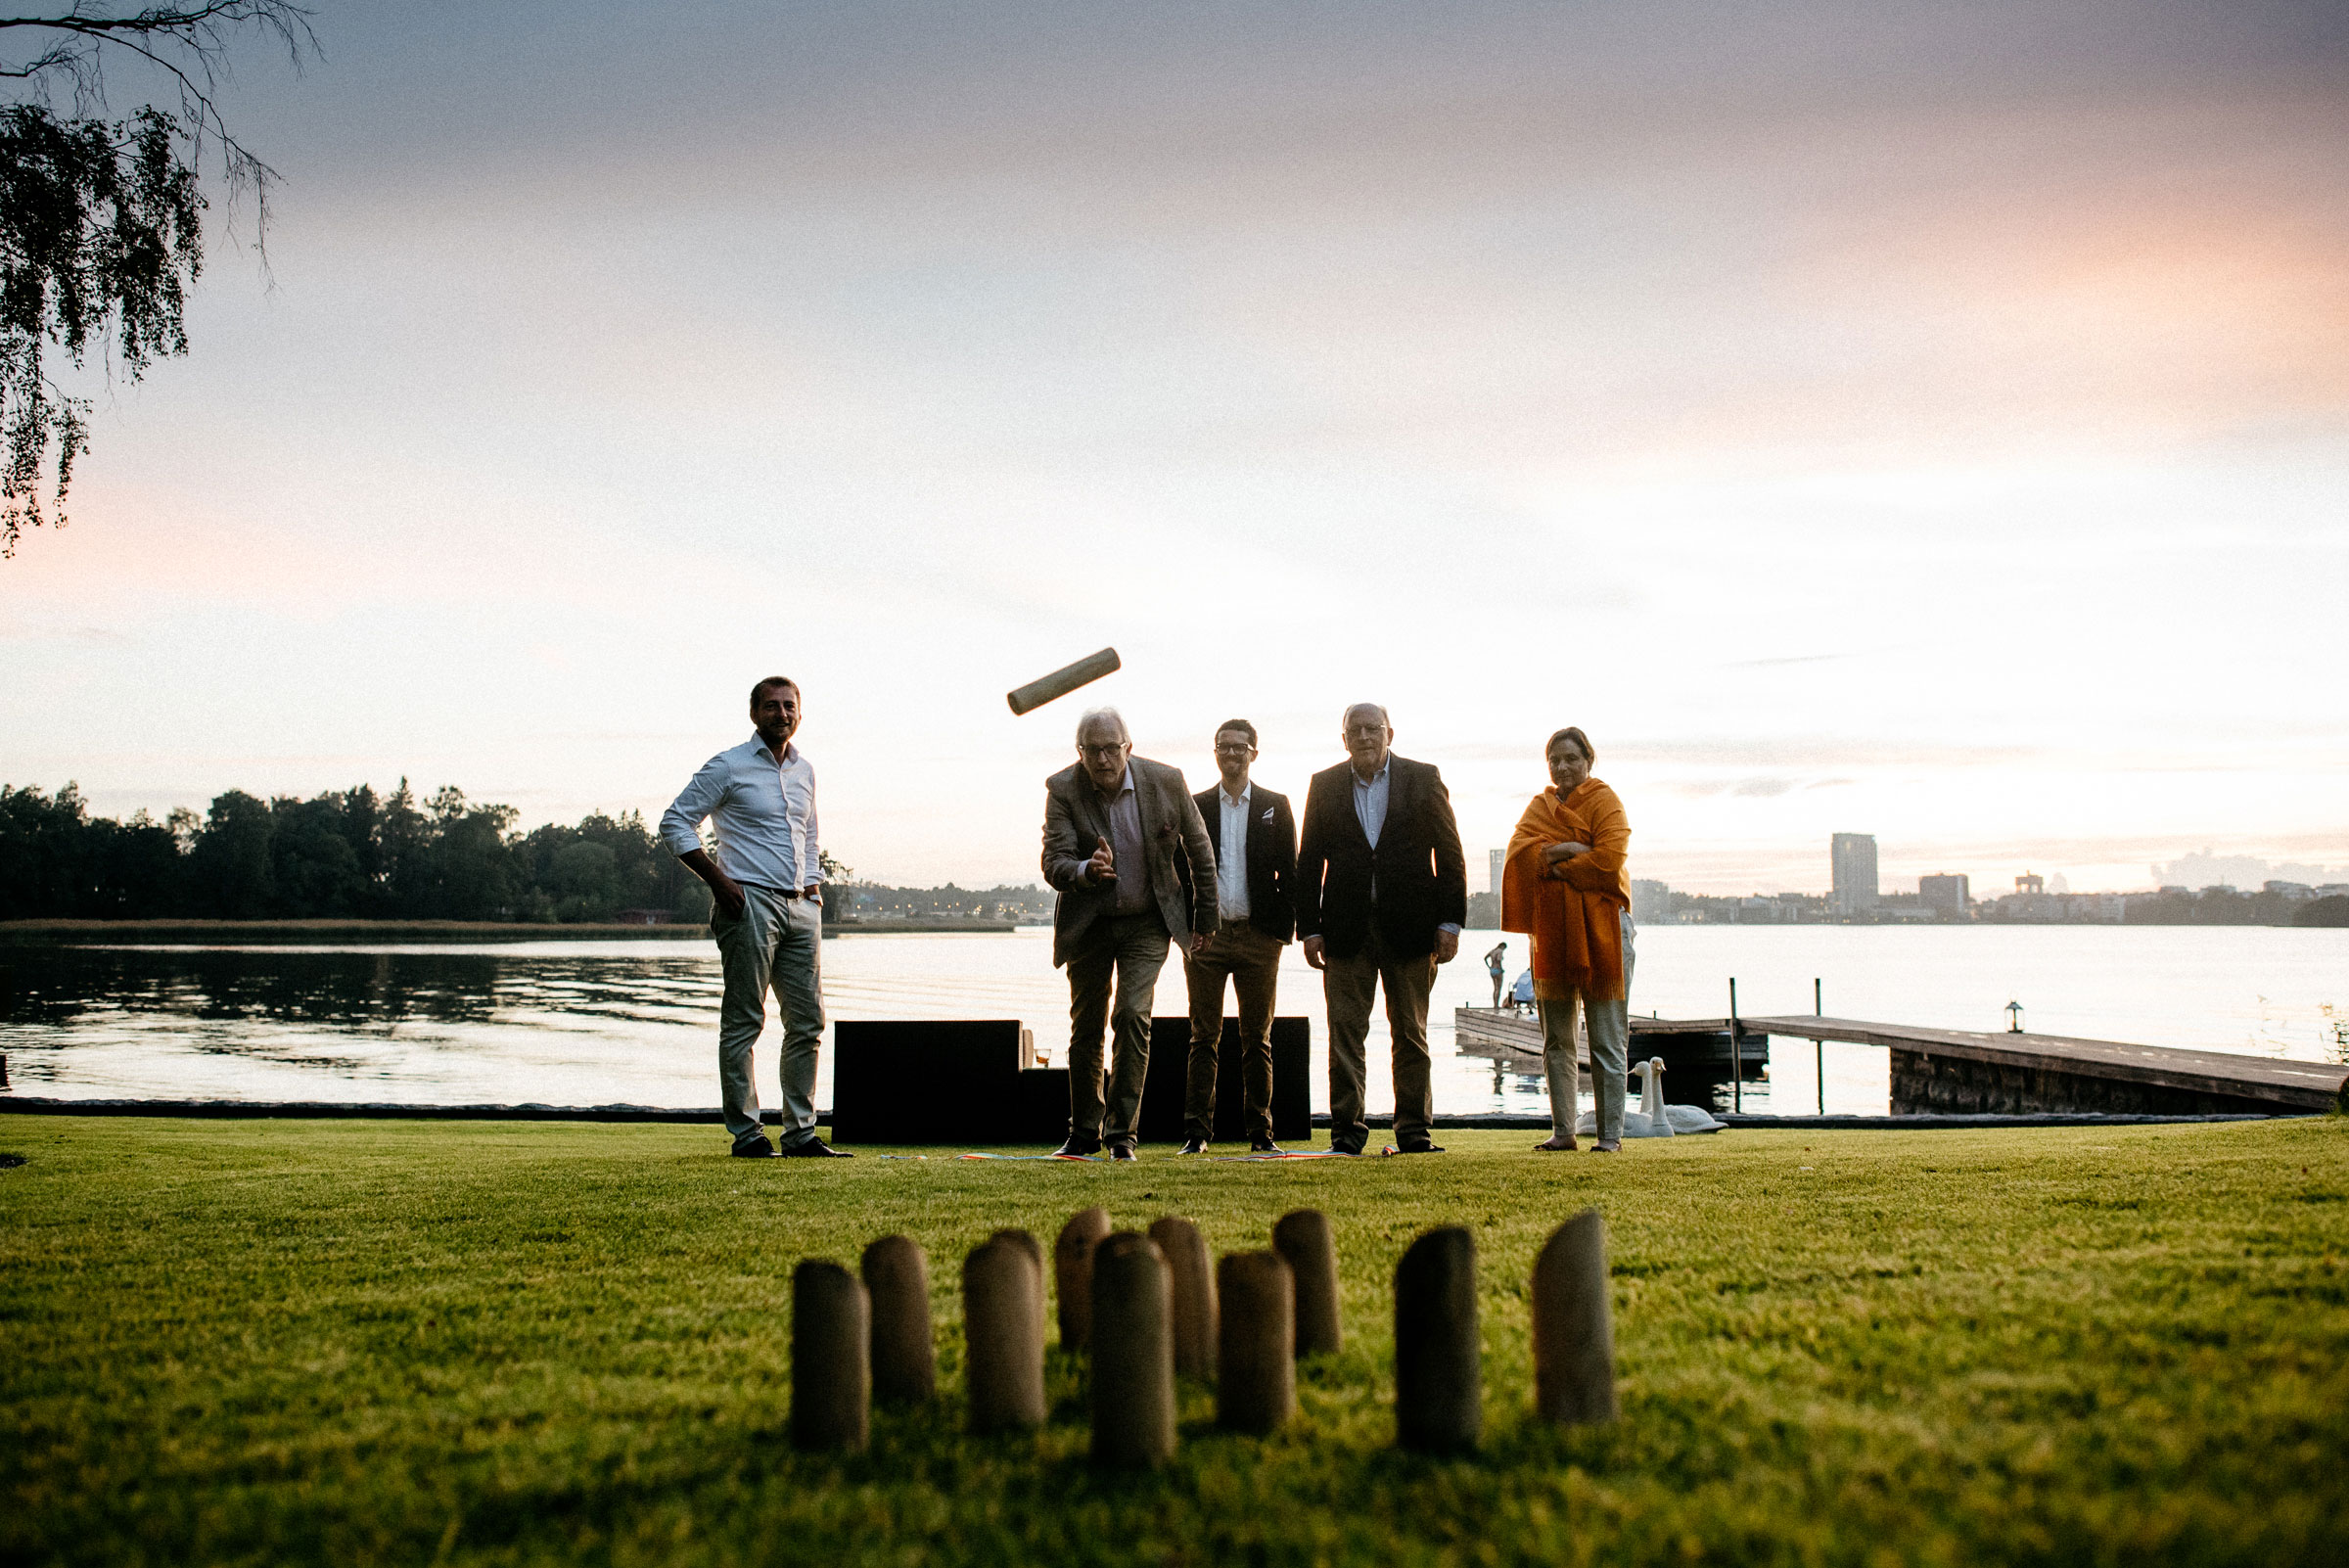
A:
(1271, 855)
(1421, 874)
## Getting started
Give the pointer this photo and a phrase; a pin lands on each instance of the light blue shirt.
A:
(1232, 855)
(763, 811)
(1370, 800)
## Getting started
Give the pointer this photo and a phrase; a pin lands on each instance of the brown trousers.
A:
(1349, 985)
(1251, 961)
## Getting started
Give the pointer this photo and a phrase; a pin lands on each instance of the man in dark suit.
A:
(1125, 850)
(1382, 892)
(1256, 861)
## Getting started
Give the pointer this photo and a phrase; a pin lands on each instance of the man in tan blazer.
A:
(1126, 852)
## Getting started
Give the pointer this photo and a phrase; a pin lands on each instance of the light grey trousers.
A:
(777, 942)
(1610, 1023)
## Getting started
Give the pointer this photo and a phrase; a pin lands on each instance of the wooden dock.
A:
(1958, 1072)
(1962, 1071)
(1508, 1036)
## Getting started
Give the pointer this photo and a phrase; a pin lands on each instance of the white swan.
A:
(1654, 1119)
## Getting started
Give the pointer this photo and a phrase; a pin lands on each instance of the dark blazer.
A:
(1271, 855)
(1422, 875)
(1183, 861)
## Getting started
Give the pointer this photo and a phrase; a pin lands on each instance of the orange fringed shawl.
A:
(1576, 922)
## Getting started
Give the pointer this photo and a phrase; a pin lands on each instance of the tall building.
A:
(1853, 857)
(1947, 893)
(1651, 903)
(1496, 858)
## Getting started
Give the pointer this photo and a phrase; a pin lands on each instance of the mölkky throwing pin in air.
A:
(1091, 667)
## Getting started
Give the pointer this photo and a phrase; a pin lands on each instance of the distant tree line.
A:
(351, 854)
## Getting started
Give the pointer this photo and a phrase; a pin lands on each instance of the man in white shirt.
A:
(767, 917)
(1255, 840)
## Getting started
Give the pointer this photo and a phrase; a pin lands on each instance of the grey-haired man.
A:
(767, 891)
(1126, 852)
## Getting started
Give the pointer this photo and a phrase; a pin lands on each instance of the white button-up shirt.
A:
(1232, 855)
(763, 808)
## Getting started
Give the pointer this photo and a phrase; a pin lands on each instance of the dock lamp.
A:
(2014, 1018)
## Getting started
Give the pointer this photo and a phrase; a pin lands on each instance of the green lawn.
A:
(410, 1342)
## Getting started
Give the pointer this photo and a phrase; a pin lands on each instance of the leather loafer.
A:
(1122, 1152)
(812, 1149)
(1079, 1149)
(757, 1148)
(1351, 1150)
(1193, 1147)
(1263, 1146)
(1419, 1148)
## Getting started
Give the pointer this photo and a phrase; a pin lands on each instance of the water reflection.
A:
(378, 990)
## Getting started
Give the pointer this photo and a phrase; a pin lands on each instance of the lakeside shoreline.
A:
(80, 932)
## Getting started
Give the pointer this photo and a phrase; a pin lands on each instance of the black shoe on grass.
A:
(812, 1149)
(755, 1148)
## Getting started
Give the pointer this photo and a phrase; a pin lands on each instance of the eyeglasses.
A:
(1102, 753)
(1234, 750)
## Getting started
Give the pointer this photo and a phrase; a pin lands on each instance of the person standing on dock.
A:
(1497, 964)
(1566, 883)
(766, 895)
(1126, 851)
(1255, 838)
(1382, 892)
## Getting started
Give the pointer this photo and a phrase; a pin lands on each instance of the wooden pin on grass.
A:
(1439, 1368)
(1574, 1330)
(831, 1377)
(1255, 1365)
(1072, 1272)
(1034, 1253)
(897, 1284)
(1132, 1354)
(1003, 1334)
(1192, 1282)
(1303, 1238)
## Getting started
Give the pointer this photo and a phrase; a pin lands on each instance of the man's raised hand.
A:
(1103, 866)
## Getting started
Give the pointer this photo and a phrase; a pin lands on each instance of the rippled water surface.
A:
(635, 1022)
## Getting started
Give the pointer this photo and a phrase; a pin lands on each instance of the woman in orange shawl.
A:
(1566, 883)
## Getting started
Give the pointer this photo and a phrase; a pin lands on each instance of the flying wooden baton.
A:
(1061, 683)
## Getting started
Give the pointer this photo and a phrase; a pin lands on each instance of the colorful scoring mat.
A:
(1103, 1159)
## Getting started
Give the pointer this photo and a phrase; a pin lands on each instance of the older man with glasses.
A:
(1126, 852)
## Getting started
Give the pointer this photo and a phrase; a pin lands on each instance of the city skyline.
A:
(1929, 420)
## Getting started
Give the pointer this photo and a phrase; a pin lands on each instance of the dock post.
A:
(1819, 1049)
(1736, 1053)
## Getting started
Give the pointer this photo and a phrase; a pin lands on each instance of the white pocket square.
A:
(1267, 814)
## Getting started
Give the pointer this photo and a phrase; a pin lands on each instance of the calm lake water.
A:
(635, 1022)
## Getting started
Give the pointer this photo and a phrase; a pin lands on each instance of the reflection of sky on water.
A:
(634, 1021)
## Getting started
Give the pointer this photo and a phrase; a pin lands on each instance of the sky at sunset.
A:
(1922, 420)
